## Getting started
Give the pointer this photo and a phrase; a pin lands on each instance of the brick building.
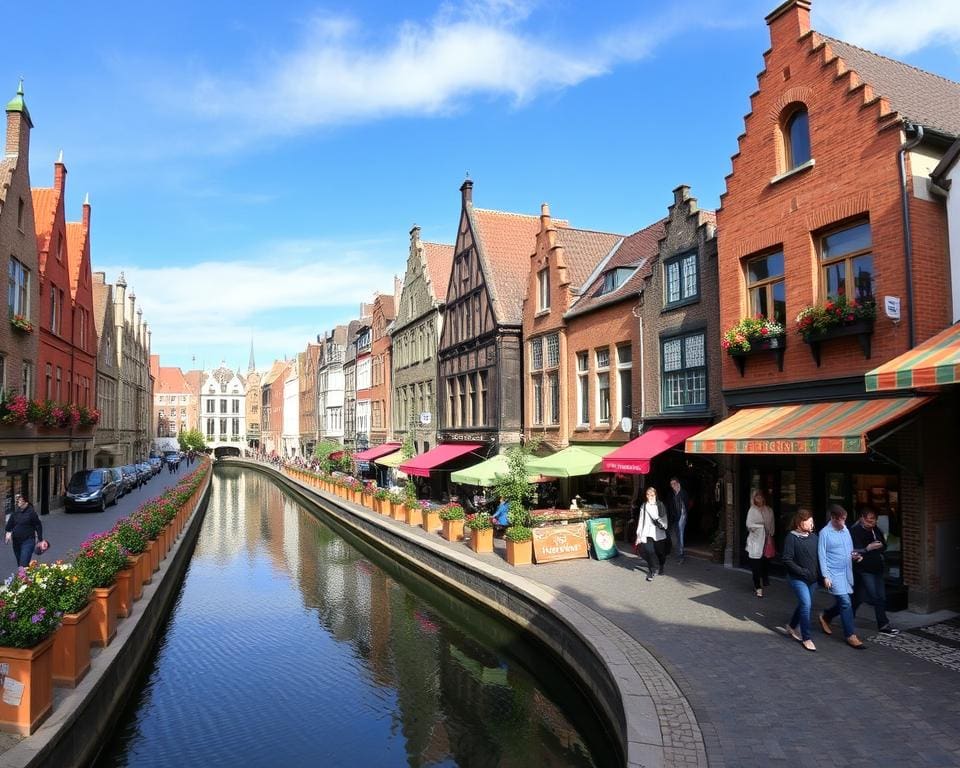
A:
(816, 211)
(308, 362)
(106, 440)
(384, 313)
(173, 400)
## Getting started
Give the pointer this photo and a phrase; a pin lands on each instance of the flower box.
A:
(452, 530)
(139, 577)
(775, 344)
(414, 514)
(862, 329)
(30, 705)
(520, 552)
(103, 615)
(481, 540)
(124, 593)
(71, 649)
(431, 520)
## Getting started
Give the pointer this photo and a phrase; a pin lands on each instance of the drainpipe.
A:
(907, 236)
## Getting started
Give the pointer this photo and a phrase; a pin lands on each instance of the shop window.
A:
(681, 282)
(766, 286)
(683, 372)
(846, 259)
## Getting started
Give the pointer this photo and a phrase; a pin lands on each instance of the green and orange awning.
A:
(932, 363)
(831, 427)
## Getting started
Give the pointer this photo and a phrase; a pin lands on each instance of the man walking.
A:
(868, 585)
(836, 564)
(680, 504)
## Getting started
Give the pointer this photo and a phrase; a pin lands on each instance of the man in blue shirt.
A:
(836, 564)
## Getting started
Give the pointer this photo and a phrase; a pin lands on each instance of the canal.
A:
(289, 645)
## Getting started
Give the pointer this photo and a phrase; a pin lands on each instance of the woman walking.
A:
(24, 529)
(801, 559)
(760, 548)
(652, 531)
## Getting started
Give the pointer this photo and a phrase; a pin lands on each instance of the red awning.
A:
(634, 457)
(422, 464)
(376, 452)
(335, 456)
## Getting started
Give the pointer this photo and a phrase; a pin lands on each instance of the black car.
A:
(131, 478)
(91, 489)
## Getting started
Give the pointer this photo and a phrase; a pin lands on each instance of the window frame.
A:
(790, 117)
(766, 285)
(543, 290)
(18, 293)
(678, 262)
(664, 375)
(599, 372)
(583, 389)
(848, 258)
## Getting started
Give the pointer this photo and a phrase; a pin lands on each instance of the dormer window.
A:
(614, 278)
(543, 290)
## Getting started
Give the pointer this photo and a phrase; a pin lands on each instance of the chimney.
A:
(59, 173)
(680, 194)
(466, 193)
(131, 308)
(18, 126)
(545, 220)
(119, 300)
(789, 21)
(86, 213)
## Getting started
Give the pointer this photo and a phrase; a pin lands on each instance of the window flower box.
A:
(775, 344)
(21, 323)
(752, 335)
(837, 318)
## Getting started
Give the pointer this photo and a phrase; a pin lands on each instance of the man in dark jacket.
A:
(868, 540)
(678, 504)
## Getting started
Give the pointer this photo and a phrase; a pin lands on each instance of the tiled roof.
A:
(170, 381)
(637, 250)
(439, 260)
(75, 244)
(919, 96)
(194, 381)
(583, 249)
(506, 241)
(44, 212)
(155, 366)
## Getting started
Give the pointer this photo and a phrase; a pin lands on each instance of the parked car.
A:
(131, 478)
(145, 471)
(91, 489)
(171, 457)
(156, 463)
(118, 479)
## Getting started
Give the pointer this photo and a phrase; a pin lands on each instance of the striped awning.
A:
(936, 361)
(834, 427)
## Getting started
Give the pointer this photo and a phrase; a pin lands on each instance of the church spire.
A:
(251, 365)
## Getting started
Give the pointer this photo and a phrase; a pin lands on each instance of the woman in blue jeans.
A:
(836, 564)
(801, 559)
(24, 530)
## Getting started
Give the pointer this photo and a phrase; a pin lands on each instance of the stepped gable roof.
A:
(919, 96)
(7, 166)
(277, 370)
(583, 249)
(102, 296)
(75, 243)
(439, 258)
(638, 251)
(170, 380)
(387, 305)
(506, 241)
(44, 213)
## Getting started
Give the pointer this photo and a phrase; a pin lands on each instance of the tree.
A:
(192, 439)
(514, 488)
(324, 450)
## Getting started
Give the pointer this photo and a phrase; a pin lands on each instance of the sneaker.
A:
(888, 630)
(650, 576)
(825, 625)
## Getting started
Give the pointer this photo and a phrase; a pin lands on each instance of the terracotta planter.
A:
(124, 593)
(414, 515)
(103, 615)
(33, 669)
(136, 586)
(152, 563)
(71, 649)
(398, 511)
(367, 500)
(481, 541)
(520, 552)
(452, 530)
(431, 520)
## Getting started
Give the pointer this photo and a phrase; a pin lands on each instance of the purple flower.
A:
(12, 616)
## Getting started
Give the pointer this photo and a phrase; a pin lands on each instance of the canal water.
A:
(290, 645)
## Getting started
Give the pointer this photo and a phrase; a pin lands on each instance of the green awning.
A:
(487, 472)
(572, 461)
(392, 460)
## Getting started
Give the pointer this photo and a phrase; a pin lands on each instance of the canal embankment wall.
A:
(83, 716)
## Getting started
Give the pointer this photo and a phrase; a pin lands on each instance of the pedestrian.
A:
(502, 515)
(837, 555)
(652, 531)
(868, 586)
(760, 547)
(680, 503)
(24, 529)
(801, 558)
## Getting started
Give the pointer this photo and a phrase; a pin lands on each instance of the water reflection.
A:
(290, 646)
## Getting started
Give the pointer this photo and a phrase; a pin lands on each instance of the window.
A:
(26, 379)
(223, 405)
(223, 427)
(236, 406)
(19, 288)
(625, 380)
(53, 309)
(796, 138)
(766, 287)
(536, 354)
(684, 372)
(603, 385)
(3, 373)
(680, 279)
(21, 209)
(848, 263)
(553, 350)
(583, 391)
(543, 290)
(235, 427)
(48, 389)
(482, 404)
(57, 391)
(211, 406)
(538, 400)
(462, 393)
(614, 278)
(210, 429)
(553, 385)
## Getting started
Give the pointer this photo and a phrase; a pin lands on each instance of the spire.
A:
(251, 366)
(17, 104)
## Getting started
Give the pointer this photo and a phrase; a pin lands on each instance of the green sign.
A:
(601, 536)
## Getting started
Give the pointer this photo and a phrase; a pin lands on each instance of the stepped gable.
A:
(44, 214)
(505, 242)
(76, 240)
(439, 258)
(920, 97)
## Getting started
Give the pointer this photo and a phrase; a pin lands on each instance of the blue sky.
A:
(254, 169)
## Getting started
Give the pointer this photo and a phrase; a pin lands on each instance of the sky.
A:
(254, 169)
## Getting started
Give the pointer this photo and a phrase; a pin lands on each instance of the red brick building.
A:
(817, 214)
(384, 313)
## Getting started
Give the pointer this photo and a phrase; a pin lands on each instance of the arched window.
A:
(796, 138)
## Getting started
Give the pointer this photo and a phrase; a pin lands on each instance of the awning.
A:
(935, 362)
(391, 460)
(372, 454)
(834, 427)
(422, 464)
(573, 461)
(335, 456)
(634, 457)
(486, 473)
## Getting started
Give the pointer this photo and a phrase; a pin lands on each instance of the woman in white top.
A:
(652, 530)
(759, 527)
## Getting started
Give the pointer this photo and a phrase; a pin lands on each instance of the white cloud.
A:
(898, 27)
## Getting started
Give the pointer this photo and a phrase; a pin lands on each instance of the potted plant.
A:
(431, 518)
(14, 409)
(70, 590)
(519, 540)
(28, 620)
(129, 533)
(481, 532)
(101, 557)
(451, 521)
(397, 502)
(381, 501)
(414, 511)
(21, 323)
(514, 488)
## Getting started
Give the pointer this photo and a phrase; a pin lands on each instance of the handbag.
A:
(769, 550)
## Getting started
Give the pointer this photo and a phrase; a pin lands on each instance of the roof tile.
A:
(439, 258)
(583, 250)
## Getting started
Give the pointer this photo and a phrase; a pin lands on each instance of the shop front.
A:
(430, 471)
